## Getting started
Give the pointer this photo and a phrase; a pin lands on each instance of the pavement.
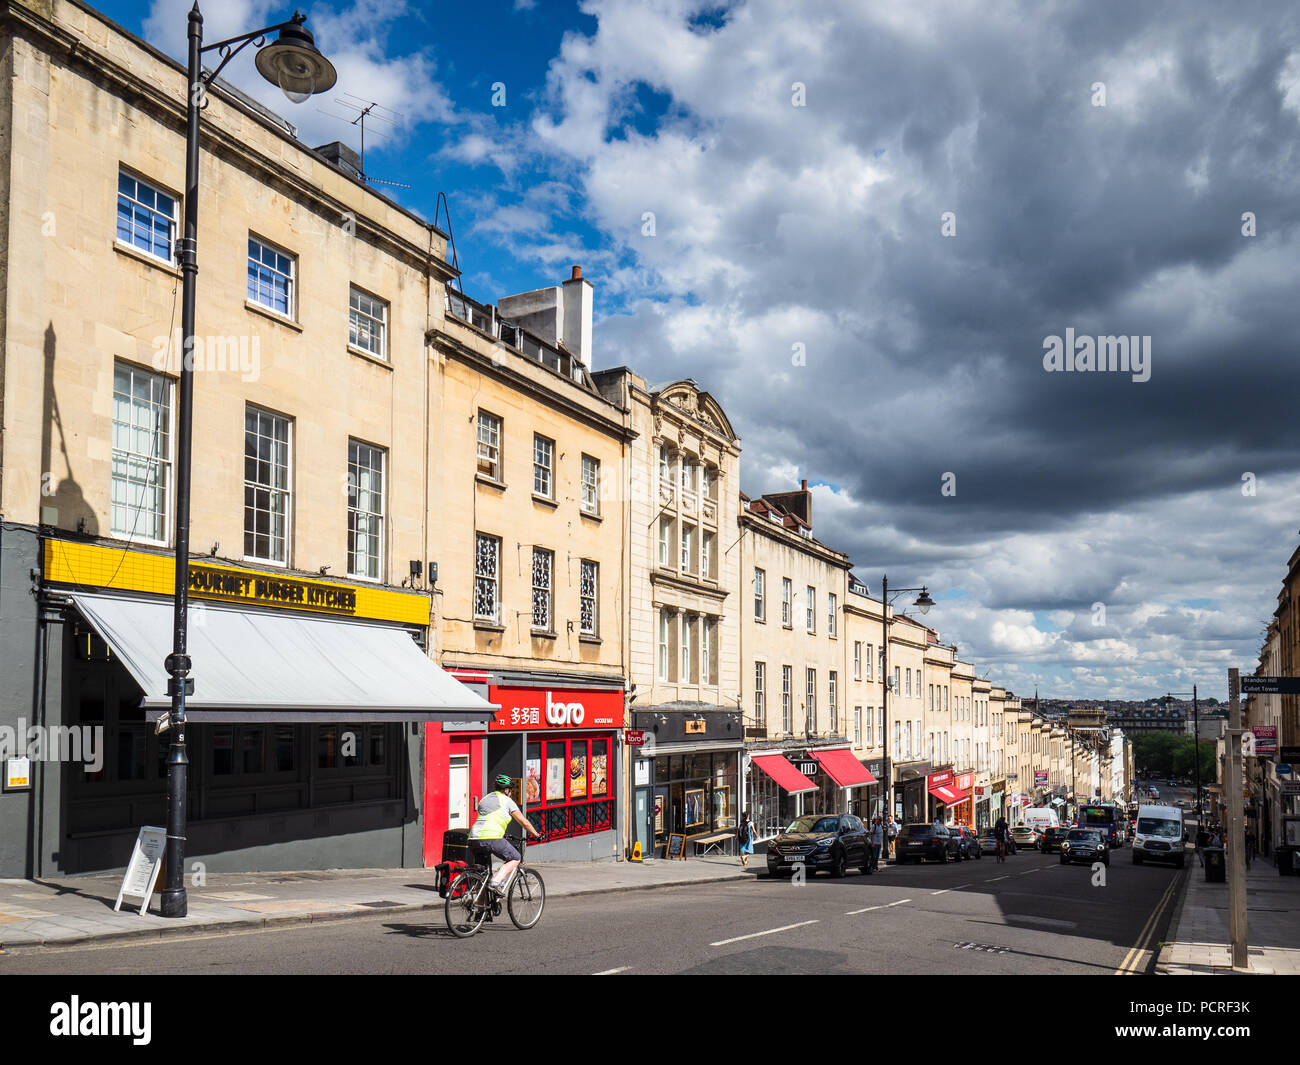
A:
(75, 911)
(1198, 937)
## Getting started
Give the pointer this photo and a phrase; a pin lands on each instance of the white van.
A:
(1159, 835)
(1040, 818)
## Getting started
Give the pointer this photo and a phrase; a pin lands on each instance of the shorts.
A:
(502, 848)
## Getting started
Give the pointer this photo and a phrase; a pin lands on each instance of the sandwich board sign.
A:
(142, 873)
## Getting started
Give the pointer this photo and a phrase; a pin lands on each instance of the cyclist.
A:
(487, 836)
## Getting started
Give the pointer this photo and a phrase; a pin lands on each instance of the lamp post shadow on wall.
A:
(298, 68)
(923, 603)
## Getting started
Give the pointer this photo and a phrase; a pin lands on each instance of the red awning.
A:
(787, 777)
(949, 794)
(843, 768)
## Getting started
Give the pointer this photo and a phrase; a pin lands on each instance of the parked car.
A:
(831, 842)
(1052, 839)
(969, 842)
(1085, 845)
(918, 842)
(1025, 835)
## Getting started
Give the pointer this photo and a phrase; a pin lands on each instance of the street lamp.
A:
(293, 63)
(923, 603)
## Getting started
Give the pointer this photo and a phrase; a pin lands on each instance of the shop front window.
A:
(568, 787)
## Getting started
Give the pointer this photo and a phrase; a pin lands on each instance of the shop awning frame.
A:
(843, 768)
(947, 793)
(786, 776)
(271, 666)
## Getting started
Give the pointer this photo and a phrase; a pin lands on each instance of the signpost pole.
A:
(1236, 850)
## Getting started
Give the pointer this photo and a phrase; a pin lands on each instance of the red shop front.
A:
(561, 744)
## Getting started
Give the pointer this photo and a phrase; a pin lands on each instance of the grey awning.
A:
(253, 665)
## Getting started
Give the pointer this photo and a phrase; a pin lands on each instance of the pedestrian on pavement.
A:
(1250, 849)
(745, 837)
(892, 834)
(1202, 841)
(877, 841)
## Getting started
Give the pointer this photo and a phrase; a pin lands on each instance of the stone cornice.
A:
(612, 424)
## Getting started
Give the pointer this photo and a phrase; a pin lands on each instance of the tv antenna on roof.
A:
(357, 111)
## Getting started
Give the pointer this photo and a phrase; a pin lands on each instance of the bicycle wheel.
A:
(463, 916)
(527, 898)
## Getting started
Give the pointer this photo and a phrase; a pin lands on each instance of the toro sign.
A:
(535, 709)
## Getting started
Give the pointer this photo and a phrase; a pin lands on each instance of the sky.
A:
(889, 238)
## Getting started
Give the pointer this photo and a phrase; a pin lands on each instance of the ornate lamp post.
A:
(294, 64)
(923, 603)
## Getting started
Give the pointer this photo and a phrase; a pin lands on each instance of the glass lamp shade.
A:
(924, 602)
(295, 64)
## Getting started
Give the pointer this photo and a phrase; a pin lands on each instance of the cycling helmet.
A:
(503, 781)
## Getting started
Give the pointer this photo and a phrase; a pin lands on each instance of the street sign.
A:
(1282, 769)
(1270, 685)
(635, 737)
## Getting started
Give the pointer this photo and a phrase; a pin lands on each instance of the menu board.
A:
(578, 774)
(677, 846)
(533, 780)
(555, 777)
(599, 774)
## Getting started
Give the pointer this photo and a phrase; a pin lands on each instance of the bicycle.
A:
(470, 902)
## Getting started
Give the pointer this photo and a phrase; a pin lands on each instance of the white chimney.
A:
(560, 314)
(578, 301)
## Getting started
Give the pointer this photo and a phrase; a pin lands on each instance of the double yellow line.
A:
(1131, 964)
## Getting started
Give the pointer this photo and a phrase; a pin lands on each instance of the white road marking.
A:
(1028, 871)
(611, 972)
(1007, 877)
(754, 935)
(882, 906)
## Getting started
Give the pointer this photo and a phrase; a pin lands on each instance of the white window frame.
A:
(832, 605)
(688, 548)
(787, 601)
(488, 441)
(666, 541)
(812, 608)
(356, 491)
(833, 697)
(543, 466)
(760, 694)
(173, 221)
(286, 492)
(760, 594)
(291, 278)
(665, 645)
(857, 659)
(159, 467)
(362, 308)
(810, 710)
(590, 503)
(787, 699)
(686, 623)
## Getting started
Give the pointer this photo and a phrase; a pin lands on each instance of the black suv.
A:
(821, 841)
(918, 842)
(969, 844)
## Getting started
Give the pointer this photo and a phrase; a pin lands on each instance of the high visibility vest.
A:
(493, 817)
